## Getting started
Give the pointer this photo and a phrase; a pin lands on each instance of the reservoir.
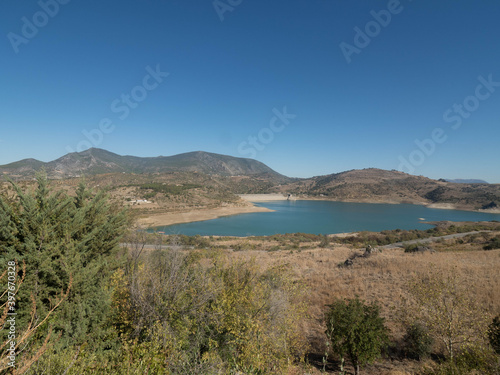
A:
(324, 217)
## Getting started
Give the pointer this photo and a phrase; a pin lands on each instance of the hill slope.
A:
(98, 161)
(239, 175)
(377, 185)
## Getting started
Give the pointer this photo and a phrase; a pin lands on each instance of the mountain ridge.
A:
(245, 176)
(98, 161)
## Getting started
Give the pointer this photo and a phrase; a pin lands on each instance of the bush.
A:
(325, 241)
(413, 248)
(357, 330)
(208, 315)
(494, 243)
(494, 334)
(417, 342)
(473, 360)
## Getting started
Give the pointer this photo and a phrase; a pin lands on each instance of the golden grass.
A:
(382, 278)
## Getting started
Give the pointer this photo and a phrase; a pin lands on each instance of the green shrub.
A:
(325, 241)
(356, 330)
(417, 342)
(413, 248)
(494, 334)
(494, 243)
(473, 360)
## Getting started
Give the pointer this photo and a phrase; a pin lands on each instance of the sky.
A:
(308, 87)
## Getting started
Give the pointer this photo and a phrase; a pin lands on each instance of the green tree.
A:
(57, 235)
(356, 330)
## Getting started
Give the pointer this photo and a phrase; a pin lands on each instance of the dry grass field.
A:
(382, 277)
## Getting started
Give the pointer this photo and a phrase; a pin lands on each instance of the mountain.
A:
(467, 181)
(377, 185)
(239, 175)
(97, 161)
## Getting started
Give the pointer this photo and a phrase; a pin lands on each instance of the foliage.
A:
(445, 307)
(58, 236)
(167, 189)
(356, 330)
(494, 334)
(473, 360)
(202, 313)
(196, 241)
(397, 235)
(417, 342)
(412, 248)
(492, 244)
(13, 360)
(325, 241)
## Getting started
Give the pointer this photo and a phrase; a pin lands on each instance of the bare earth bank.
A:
(156, 220)
(199, 215)
(373, 200)
(262, 197)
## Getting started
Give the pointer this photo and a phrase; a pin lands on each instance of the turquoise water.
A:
(324, 217)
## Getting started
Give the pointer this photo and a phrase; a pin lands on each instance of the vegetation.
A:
(397, 235)
(155, 188)
(494, 334)
(214, 305)
(412, 248)
(356, 330)
(162, 312)
(16, 339)
(62, 238)
(444, 306)
(493, 243)
(176, 314)
(417, 342)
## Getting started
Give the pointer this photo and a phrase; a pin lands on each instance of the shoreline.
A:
(159, 220)
(255, 198)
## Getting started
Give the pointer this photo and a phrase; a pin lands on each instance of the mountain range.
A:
(97, 161)
(240, 175)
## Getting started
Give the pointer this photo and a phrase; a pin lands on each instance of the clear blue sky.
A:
(232, 69)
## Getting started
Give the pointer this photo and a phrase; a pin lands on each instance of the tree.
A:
(443, 304)
(494, 334)
(12, 358)
(57, 235)
(357, 330)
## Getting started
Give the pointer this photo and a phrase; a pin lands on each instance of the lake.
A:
(324, 217)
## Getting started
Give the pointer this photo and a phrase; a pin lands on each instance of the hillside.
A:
(377, 185)
(224, 176)
(97, 161)
(467, 181)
